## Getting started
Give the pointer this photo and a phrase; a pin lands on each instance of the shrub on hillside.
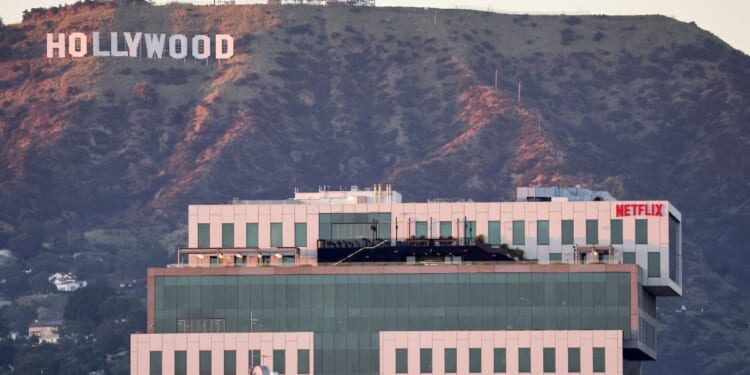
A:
(144, 92)
(568, 36)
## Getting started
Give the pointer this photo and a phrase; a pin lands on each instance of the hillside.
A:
(103, 154)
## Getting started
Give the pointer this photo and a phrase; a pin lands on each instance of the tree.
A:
(82, 313)
(39, 283)
(4, 329)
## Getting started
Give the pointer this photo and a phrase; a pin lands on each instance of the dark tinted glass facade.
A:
(567, 232)
(300, 234)
(519, 232)
(402, 358)
(524, 360)
(674, 238)
(599, 360)
(475, 360)
(493, 233)
(303, 361)
(346, 312)
(154, 363)
(450, 360)
(641, 231)
(425, 361)
(499, 360)
(251, 233)
(574, 359)
(615, 231)
(592, 232)
(227, 235)
(180, 362)
(542, 232)
(204, 232)
(347, 226)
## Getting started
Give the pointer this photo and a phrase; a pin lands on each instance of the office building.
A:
(356, 281)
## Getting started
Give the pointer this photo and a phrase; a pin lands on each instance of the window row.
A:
(464, 229)
(251, 235)
(255, 358)
(566, 232)
(445, 230)
(499, 360)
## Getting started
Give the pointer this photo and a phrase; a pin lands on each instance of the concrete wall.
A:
(413, 341)
(142, 344)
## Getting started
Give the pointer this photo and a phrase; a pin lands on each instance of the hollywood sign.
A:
(177, 46)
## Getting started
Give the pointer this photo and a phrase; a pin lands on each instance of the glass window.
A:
(475, 360)
(251, 231)
(450, 360)
(674, 237)
(542, 232)
(499, 360)
(641, 231)
(592, 232)
(420, 229)
(470, 229)
(253, 358)
(628, 257)
(154, 363)
(227, 235)
(204, 362)
(524, 360)
(599, 360)
(549, 359)
(425, 361)
(230, 362)
(567, 232)
(180, 362)
(402, 364)
(287, 260)
(519, 232)
(279, 361)
(445, 229)
(654, 264)
(616, 231)
(493, 233)
(276, 235)
(300, 234)
(204, 235)
(303, 361)
(555, 257)
(574, 360)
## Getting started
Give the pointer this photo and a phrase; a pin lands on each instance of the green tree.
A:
(4, 330)
(7, 353)
(39, 283)
(135, 260)
(82, 308)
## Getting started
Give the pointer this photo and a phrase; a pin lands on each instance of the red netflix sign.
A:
(639, 209)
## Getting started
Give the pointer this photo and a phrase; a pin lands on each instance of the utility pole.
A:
(495, 79)
(539, 121)
(519, 92)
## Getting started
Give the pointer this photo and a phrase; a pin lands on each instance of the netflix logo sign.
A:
(639, 209)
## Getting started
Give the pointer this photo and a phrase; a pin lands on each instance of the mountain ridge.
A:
(644, 106)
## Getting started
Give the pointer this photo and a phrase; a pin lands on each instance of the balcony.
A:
(238, 257)
(595, 254)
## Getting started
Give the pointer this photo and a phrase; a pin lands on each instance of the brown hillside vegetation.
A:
(646, 106)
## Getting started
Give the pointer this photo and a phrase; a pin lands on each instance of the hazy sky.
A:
(727, 19)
